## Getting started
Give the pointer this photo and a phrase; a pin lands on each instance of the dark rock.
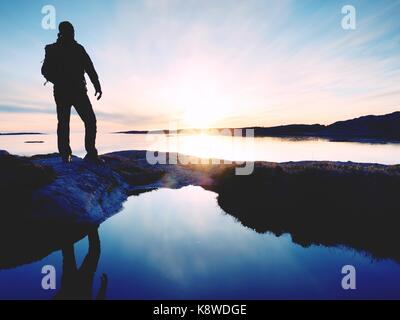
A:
(46, 202)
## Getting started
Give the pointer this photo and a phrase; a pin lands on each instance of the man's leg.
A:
(85, 111)
(63, 117)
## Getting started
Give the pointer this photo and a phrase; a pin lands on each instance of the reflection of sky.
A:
(222, 63)
(180, 244)
(217, 147)
(189, 247)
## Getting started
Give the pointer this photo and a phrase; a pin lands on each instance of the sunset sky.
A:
(199, 63)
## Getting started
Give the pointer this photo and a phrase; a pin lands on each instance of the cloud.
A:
(19, 109)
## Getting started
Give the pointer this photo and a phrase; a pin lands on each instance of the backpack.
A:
(49, 67)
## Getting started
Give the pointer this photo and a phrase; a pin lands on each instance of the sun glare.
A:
(198, 118)
(201, 98)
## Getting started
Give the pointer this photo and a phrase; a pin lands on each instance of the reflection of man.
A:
(77, 284)
(65, 65)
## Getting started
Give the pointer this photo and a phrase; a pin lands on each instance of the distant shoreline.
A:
(365, 129)
(20, 133)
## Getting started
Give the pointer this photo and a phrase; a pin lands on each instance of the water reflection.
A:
(221, 147)
(318, 205)
(77, 283)
(179, 244)
(32, 243)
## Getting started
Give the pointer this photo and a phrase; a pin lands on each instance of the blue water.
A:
(178, 244)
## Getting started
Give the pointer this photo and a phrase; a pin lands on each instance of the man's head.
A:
(66, 30)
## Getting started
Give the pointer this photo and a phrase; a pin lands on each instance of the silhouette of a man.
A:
(65, 64)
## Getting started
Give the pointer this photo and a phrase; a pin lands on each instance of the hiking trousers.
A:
(65, 99)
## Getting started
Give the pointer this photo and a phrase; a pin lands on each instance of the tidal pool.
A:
(178, 244)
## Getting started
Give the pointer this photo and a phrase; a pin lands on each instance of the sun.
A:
(203, 107)
(198, 118)
(200, 95)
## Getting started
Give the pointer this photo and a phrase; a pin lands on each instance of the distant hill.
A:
(288, 130)
(369, 127)
(383, 127)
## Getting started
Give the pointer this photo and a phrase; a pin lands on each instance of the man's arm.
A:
(91, 71)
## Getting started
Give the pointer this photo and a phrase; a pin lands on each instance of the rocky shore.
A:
(45, 202)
